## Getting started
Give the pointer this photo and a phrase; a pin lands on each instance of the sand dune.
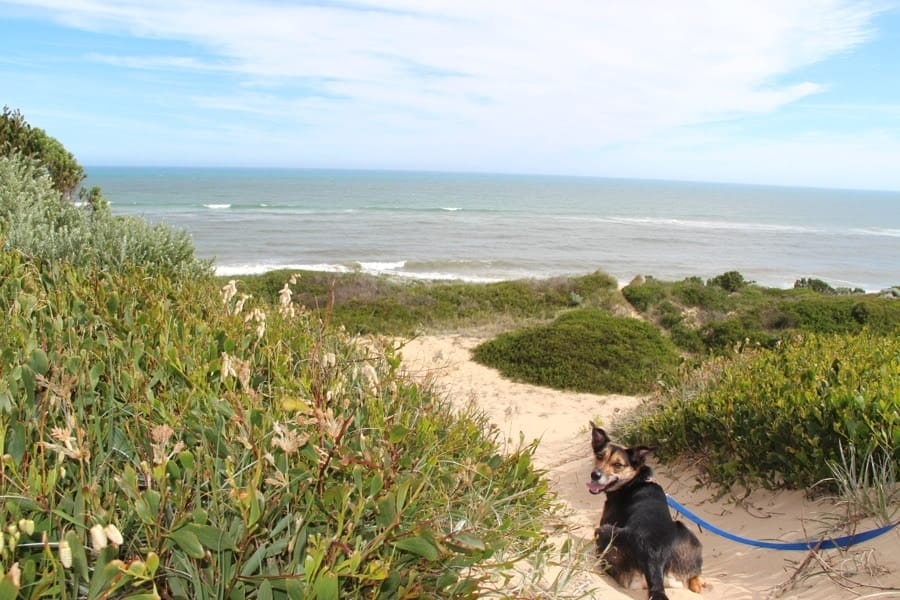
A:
(732, 571)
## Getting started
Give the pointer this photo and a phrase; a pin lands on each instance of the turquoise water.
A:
(492, 227)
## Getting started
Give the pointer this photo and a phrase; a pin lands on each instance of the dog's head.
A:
(614, 466)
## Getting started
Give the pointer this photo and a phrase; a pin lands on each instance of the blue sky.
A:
(788, 92)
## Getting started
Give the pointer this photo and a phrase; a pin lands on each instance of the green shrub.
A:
(721, 336)
(37, 220)
(687, 338)
(644, 293)
(17, 137)
(780, 416)
(816, 285)
(692, 292)
(669, 314)
(161, 440)
(731, 281)
(585, 350)
(824, 314)
(879, 314)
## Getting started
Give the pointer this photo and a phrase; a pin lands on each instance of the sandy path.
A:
(733, 571)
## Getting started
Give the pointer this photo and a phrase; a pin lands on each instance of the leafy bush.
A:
(841, 314)
(586, 350)
(780, 416)
(816, 285)
(37, 220)
(692, 292)
(687, 338)
(731, 281)
(728, 310)
(643, 294)
(17, 137)
(669, 315)
(724, 335)
(161, 440)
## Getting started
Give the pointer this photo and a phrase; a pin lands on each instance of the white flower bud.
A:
(113, 534)
(15, 574)
(65, 553)
(27, 526)
(98, 537)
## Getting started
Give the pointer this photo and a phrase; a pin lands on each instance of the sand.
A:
(559, 420)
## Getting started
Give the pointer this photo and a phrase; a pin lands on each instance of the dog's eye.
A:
(618, 466)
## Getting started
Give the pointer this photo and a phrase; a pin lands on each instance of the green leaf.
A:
(211, 537)
(15, 442)
(387, 511)
(6, 401)
(397, 434)
(467, 541)
(251, 565)
(255, 509)
(38, 362)
(294, 588)
(104, 570)
(8, 591)
(419, 546)
(326, 586)
(152, 562)
(143, 511)
(264, 591)
(187, 541)
(79, 556)
(375, 483)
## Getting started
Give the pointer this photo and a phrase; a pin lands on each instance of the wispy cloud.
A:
(504, 77)
(154, 62)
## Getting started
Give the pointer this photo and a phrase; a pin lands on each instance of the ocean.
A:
(480, 227)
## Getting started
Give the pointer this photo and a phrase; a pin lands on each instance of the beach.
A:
(731, 571)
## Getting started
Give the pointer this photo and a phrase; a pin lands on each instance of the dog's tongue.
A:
(594, 487)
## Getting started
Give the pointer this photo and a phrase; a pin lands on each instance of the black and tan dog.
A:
(637, 534)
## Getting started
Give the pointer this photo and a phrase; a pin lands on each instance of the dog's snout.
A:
(596, 475)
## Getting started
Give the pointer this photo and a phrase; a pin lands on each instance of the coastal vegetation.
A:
(588, 350)
(17, 136)
(162, 437)
(368, 304)
(38, 219)
(168, 433)
(785, 416)
(811, 370)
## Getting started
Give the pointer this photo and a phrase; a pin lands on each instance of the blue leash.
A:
(841, 542)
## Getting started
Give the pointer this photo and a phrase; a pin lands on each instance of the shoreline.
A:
(732, 571)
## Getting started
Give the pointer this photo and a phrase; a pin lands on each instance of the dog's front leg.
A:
(616, 561)
(605, 534)
(656, 585)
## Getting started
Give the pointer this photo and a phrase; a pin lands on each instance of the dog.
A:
(637, 534)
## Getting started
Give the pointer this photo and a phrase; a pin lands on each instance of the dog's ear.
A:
(599, 439)
(637, 454)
